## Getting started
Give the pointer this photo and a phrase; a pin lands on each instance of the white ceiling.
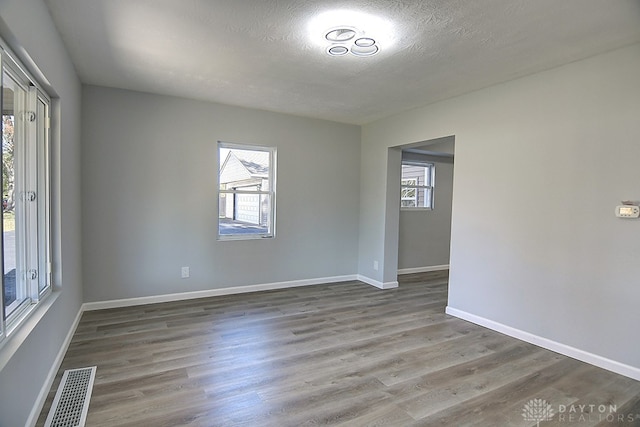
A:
(258, 53)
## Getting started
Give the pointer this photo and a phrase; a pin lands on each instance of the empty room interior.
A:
(287, 213)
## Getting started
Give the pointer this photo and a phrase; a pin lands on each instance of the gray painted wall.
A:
(425, 235)
(149, 196)
(29, 28)
(540, 164)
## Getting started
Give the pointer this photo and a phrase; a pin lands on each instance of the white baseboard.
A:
(377, 284)
(576, 353)
(129, 302)
(423, 269)
(53, 371)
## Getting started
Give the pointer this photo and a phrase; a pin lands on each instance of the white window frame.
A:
(271, 192)
(33, 222)
(428, 189)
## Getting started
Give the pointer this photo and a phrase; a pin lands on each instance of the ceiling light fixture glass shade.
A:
(364, 42)
(340, 35)
(337, 50)
(364, 50)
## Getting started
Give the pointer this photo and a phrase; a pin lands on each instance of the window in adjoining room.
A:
(417, 184)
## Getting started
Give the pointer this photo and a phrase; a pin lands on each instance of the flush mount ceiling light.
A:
(348, 39)
(341, 32)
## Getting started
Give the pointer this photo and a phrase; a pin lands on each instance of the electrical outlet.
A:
(375, 265)
(185, 272)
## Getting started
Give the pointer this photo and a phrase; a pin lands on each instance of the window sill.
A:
(244, 237)
(19, 333)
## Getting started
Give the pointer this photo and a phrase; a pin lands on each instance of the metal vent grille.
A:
(71, 404)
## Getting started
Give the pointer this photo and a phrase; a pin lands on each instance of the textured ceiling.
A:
(259, 54)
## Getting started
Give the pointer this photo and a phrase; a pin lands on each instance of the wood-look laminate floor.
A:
(338, 354)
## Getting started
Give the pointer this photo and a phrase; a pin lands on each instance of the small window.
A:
(417, 183)
(246, 194)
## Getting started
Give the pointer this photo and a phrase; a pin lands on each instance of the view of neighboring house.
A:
(245, 171)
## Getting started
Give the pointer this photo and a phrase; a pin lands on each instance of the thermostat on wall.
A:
(627, 211)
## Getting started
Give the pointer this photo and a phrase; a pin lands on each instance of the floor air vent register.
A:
(71, 404)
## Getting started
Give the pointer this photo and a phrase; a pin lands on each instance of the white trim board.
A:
(402, 271)
(51, 376)
(377, 284)
(129, 302)
(575, 353)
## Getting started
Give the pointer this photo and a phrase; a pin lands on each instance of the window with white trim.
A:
(416, 185)
(246, 191)
(26, 272)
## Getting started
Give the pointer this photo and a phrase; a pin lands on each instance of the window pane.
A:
(408, 193)
(14, 289)
(244, 214)
(413, 174)
(237, 164)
